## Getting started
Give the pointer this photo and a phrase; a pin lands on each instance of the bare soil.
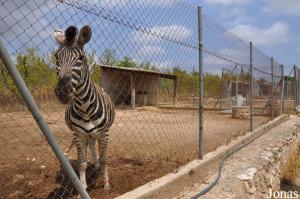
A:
(145, 144)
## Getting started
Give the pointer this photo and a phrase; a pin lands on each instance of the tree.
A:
(4, 85)
(36, 73)
(185, 82)
(288, 78)
(147, 66)
(108, 57)
(127, 62)
(93, 66)
(212, 84)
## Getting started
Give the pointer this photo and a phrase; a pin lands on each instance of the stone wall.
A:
(258, 168)
(274, 164)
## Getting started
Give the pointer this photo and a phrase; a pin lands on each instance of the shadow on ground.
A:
(66, 189)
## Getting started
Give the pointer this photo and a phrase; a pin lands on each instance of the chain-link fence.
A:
(145, 55)
(289, 91)
(229, 66)
(142, 54)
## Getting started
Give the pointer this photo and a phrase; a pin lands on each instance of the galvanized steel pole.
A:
(242, 81)
(236, 83)
(201, 83)
(222, 89)
(4, 55)
(282, 91)
(252, 86)
(295, 87)
(273, 90)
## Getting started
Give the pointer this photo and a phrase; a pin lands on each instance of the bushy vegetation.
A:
(36, 73)
(41, 78)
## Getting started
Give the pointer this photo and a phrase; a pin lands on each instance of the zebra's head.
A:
(71, 61)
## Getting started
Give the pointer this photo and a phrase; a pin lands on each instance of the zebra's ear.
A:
(59, 36)
(70, 35)
(85, 35)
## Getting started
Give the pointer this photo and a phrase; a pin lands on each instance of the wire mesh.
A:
(289, 92)
(142, 50)
(297, 86)
(145, 56)
(267, 87)
(227, 85)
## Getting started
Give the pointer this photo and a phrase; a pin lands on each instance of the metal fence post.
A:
(26, 95)
(252, 86)
(201, 84)
(273, 90)
(295, 87)
(242, 80)
(222, 89)
(193, 89)
(282, 91)
(236, 81)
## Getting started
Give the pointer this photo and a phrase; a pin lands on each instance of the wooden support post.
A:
(175, 91)
(132, 91)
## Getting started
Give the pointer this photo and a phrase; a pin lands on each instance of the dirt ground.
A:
(145, 144)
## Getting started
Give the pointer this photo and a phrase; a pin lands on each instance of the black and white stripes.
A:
(90, 112)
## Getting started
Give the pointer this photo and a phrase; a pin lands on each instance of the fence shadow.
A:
(66, 189)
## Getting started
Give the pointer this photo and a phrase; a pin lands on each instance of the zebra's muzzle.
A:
(63, 90)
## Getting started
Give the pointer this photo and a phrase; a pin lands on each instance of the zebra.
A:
(59, 36)
(90, 111)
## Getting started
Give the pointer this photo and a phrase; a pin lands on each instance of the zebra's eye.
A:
(81, 57)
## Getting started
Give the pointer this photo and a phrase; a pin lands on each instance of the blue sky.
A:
(273, 25)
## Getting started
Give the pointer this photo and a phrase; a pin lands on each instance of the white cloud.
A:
(151, 50)
(156, 2)
(228, 2)
(176, 32)
(153, 47)
(122, 3)
(164, 64)
(235, 15)
(288, 7)
(233, 12)
(277, 33)
(214, 63)
(239, 55)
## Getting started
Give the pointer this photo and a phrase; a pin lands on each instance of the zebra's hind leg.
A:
(102, 147)
(92, 145)
(81, 145)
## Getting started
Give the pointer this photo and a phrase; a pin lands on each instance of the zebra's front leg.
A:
(92, 145)
(70, 147)
(102, 147)
(81, 145)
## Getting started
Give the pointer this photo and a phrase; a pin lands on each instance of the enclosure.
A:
(134, 87)
(182, 111)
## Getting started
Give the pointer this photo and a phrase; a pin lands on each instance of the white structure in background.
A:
(238, 100)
